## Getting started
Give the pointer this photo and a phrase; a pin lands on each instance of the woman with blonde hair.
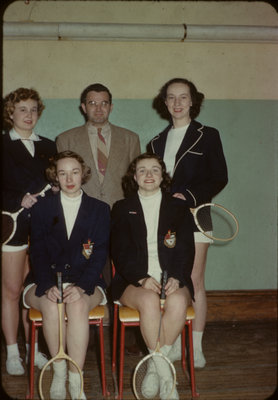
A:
(25, 156)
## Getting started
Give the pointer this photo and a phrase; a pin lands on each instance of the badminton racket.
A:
(215, 222)
(9, 220)
(46, 374)
(155, 360)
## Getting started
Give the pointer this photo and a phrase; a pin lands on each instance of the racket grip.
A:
(164, 281)
(60, 286)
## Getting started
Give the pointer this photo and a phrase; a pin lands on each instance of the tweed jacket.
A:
(125, 146)
(129, 242)
(200, 170)
(22, 173)
(52, 251)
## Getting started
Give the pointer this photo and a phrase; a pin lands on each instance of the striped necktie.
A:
(102, 155)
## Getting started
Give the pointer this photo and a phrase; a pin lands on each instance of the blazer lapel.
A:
(193, 134)
(137, 221)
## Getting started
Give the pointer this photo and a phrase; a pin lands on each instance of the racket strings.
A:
(7, 226)
(154, 377)
(61, 380)
(217, 222)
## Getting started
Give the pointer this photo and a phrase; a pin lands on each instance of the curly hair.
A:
(130, 186)
(51, 171)
(196, 97)
(11, 99)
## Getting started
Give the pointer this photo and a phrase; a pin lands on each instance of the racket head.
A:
(8, 226)
(141, 370)
(47, 373)
(216, 222)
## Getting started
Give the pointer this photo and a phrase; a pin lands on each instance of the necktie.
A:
(102, 155)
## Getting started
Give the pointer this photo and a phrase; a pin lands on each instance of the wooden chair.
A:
(96, 316)
(130, 317)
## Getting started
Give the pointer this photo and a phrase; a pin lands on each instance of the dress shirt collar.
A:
(15, 136)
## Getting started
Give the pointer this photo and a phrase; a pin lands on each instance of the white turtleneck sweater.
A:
(70, 207)
(151, 208)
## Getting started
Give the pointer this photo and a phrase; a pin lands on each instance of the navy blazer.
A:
(51, 251)
(22, 173)
(129, 242)
(200, 170)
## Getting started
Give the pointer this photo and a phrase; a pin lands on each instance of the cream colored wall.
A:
(136, 70)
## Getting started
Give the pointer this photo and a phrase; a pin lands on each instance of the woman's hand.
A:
(53, 294)
(72, 294)
(151, 284)
(29, 200)
(179, 196)
(171, 286)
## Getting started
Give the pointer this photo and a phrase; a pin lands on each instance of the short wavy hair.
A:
(129, 184)
(95, 87)
(11, 99)
(196, 97)
(51, 171)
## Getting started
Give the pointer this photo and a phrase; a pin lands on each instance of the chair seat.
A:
(127, 314)
(95, 313)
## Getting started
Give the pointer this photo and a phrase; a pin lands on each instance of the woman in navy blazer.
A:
(194, 158)
(69, 234)
(152, 232)
(25, 157)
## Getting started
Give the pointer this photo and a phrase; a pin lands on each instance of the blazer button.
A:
(53, 266)
(67, 266)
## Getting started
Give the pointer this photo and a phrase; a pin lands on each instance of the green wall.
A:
(248, 130)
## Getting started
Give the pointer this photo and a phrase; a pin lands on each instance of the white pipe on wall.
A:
(139, 32)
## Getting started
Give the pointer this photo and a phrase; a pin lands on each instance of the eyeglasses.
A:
(103, 103)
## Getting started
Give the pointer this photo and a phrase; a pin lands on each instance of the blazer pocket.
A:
(196, 153)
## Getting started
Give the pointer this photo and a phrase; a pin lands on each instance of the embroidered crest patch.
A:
(88, 249)
(170, 239)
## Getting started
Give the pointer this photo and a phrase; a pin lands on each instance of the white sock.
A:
(197, 340)
(12, 350)
(27, 346)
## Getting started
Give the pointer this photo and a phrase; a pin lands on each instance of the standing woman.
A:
(194, 158)
(69, 234)
(25, 156)
(152, 232)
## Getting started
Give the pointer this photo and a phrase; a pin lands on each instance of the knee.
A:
(176, 305)
(77, 309)
(11, 292)
(149, 303)
(49, 311)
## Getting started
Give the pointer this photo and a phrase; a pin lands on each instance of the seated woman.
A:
(152, 232)
(69, 233)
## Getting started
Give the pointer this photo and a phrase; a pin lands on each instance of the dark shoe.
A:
(134, 350)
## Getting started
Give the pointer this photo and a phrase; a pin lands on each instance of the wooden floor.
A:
(241, 365)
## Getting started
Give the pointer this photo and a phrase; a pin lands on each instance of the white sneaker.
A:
(166, 390)
(58, 384)
(175, 352)
(199, 359)
(40, 360)
(150, 384)
(14, 366)
(74, 386)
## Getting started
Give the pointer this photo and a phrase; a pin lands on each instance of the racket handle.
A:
(163, 284)
(60, 286)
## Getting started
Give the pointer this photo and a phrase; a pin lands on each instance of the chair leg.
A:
(115, 333)
(191, 355)
(122, 355)
(102, 358)
(183, 359)
(32, 361)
